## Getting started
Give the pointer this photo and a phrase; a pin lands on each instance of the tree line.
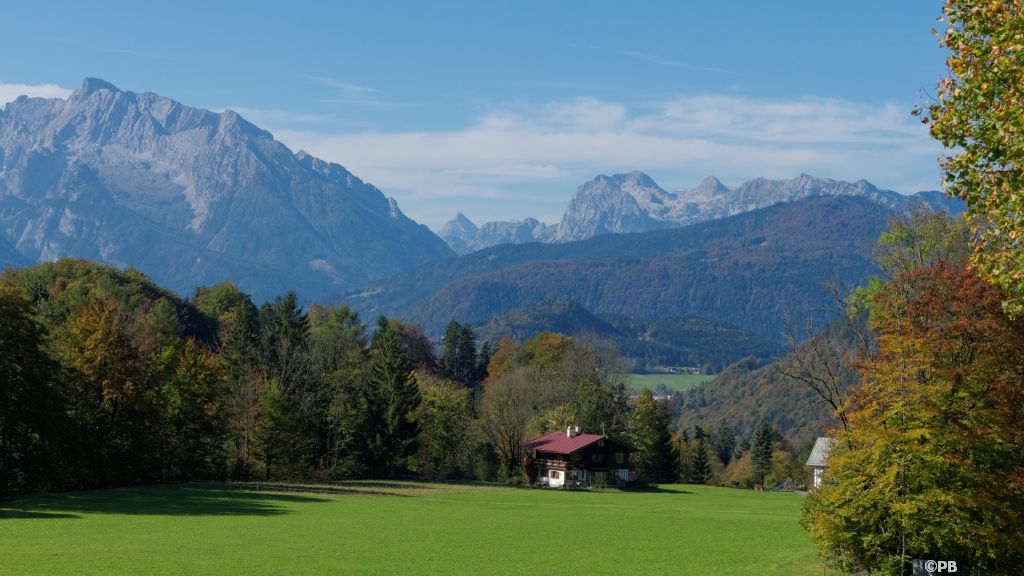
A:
(107, 379)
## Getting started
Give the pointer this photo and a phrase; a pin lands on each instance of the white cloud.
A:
(10, 92)
(510, 159)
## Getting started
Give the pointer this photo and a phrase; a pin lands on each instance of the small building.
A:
(818, 458)
(573, 459)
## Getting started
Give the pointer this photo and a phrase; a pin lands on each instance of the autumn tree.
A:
(505, 411)
(109, 397)
(931, 464)
(979, 117)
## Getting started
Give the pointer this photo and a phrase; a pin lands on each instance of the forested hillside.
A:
(756, 271)
(649, 345)
(108, 379)
(751, 391)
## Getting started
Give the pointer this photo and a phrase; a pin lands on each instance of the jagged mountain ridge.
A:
(633, 202)
(192, 197)
(463, 236)
(756, 270)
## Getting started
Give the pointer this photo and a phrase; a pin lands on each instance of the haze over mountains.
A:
(191, 197)
(633, 202)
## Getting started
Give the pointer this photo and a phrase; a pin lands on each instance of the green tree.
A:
(193, 400)
(460, 356)
(656, 458)
(444, 418)
(725, 443)
(281, 436)
(393, 398)
(978, 116)
(32, 422)
(761, 450)
(701, 467)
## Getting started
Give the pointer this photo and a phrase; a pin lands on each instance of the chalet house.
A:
(817, 459)
(573, 459)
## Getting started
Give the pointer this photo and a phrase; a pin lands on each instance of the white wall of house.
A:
(817, 475)
(556, 478)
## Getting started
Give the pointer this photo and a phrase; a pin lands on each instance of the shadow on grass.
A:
(360, 488)
(6, 514)
(154, 501)
(659, 490)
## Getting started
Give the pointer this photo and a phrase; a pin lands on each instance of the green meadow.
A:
(397, 528)
(678, 382)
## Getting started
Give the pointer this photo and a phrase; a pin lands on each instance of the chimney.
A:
(568, 432)
(576, 431)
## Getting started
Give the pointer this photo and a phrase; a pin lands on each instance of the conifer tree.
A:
(725, 443)
(701, 468)
(393, 396)
(761, 452)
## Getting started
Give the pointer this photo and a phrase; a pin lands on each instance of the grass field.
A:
(404, 528)
(671, 381)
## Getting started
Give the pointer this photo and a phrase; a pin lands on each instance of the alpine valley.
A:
(191, 197)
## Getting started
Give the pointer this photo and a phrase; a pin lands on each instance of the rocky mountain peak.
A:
(711, 186)
(192, 197)
(90, 85)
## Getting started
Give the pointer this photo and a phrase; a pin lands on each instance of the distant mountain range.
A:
(756, 270)
(634, 202)
(191, 197)
(650, 345)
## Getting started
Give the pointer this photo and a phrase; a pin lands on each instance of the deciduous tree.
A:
(979, 118)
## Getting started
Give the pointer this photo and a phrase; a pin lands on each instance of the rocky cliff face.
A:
(192, 197)
(633, 202)
(463, 236)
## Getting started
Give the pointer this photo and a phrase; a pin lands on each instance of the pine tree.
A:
(725, 443)
(761, 452)
(483, 359)
(656, 458)
(460, 357)
(701, 468)
(393, 397)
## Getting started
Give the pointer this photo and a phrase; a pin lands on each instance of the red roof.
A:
(559, 443)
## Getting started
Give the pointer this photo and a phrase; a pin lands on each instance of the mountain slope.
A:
(749, 391)
(754, 270)
(192, 197)
(668, 342)
(10, 257)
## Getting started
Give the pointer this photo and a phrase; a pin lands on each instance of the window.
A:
(600, 443)
(598, 457)
(575, 456)
(620, 457)
(555, 475)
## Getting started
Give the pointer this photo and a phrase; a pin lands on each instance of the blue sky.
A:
(501, 111)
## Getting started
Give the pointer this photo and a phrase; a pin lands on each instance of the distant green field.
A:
(671, 381)
(404, 528)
